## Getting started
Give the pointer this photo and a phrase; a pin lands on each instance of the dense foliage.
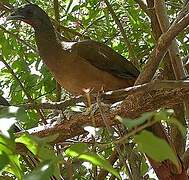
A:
(24, 80)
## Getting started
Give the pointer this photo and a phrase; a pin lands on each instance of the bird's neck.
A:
(50, 48)
(47, 42)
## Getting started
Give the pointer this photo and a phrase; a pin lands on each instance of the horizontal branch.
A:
(132, 107)
(113, 96)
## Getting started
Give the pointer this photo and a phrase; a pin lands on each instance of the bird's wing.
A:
(103, 57)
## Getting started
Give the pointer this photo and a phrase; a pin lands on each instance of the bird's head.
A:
(32, 15)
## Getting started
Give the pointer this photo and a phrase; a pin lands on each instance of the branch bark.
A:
(110, 96)
(163, 20)
(151, 101)
(160, 50)
(178, 68)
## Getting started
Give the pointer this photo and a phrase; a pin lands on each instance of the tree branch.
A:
(160, 50)
(131, 108)
(114, 96)
(163, 20)
(178, 69)
(143, 6)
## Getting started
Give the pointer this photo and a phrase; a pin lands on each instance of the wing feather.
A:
(104, 58)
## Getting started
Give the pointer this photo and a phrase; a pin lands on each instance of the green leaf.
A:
(99, 161)
(44, 171)
(144, 166)
(46, 152)
(161, 115)
(131, 123)
(182, 129)
(14, 166)
(4, 160)
(156, 148)
(80, 151)
(75, 8)
(6, 144)
(48, 139)
(21, 115)
(76, 149)
(30, 143)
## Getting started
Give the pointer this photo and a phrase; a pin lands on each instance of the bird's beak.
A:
(15, 16)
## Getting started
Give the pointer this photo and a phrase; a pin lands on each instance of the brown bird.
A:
(84, 65)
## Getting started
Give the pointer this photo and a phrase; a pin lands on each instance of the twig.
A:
(56, 10)
(126, 40)
(6, 6)
(68, 7)
(72, 31)
(182, 13)
(57, 17)
(185, 60)
(143, 6)
(92, 24)
(134, 131)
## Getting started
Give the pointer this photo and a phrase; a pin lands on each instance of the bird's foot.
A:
(94, 108)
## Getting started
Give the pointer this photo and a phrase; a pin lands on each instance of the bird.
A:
(76, 66)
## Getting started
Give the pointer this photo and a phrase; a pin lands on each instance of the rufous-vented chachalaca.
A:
(84, 65)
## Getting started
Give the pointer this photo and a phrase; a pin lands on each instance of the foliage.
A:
(78, 20)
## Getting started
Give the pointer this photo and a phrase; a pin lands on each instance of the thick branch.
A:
(159, 51)
(178, 69)
(163, 19)
(185, 159)
(132, 108)
(113, 95)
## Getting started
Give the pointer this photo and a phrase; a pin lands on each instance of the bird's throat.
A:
(46, 42)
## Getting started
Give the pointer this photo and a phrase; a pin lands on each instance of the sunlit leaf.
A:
(80, 151)
(131, 123)
(6, 144)
(76, 149)
(29, 142)
(99, 161)
(14, 167)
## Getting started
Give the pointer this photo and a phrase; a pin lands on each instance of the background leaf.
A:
(156, 148)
